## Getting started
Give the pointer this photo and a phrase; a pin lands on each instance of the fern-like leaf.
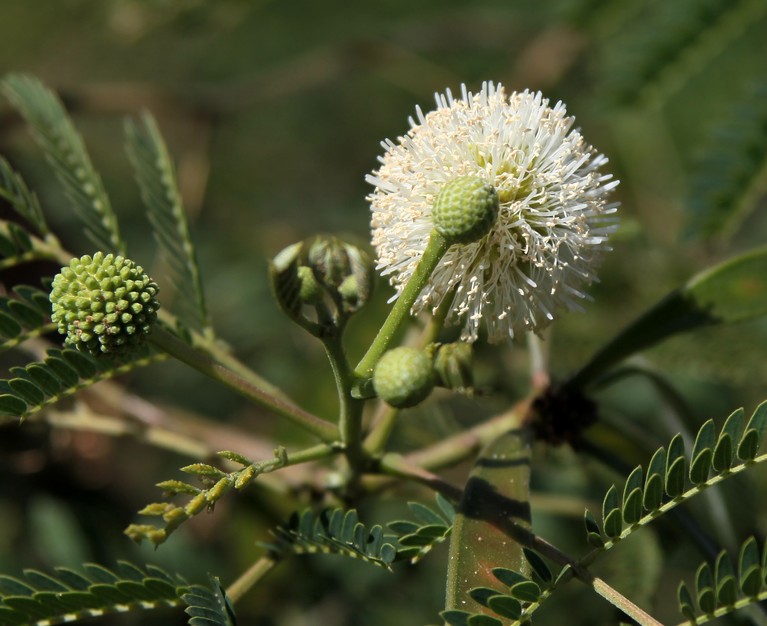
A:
(65, 150)
(18, 245)
(215, 484)
(62, 373)
(430, 528)
(39, 599)
(679, 39)
(725, 589)
(334, 531)
(732, 174)
(209, 606)
(714, 458)
(24, 202)
(24, 316)
(157, 180)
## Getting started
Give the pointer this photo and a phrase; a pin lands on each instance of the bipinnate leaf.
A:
(732, 291)
(14, 190)
(712, 462)
(156, 178)
(68, 595)
(723, 590)
(65, 150)
(18, 245)
(334, 531)
(24, 317)
(62, 373)
(417, 538)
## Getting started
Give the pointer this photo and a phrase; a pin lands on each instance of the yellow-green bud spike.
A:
(90, 286)
(465, 209)
(403, 377)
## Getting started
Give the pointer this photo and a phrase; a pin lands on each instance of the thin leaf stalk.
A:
(250, 577)
(725, 610)
(204, 363)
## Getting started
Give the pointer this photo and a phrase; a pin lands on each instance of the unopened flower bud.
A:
(465, 209)
(104, 304)
(452, 365)
(403, 377)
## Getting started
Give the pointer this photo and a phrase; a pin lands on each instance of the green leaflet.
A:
(209, 605)
(417, 538)
(68, 595)
(493, 515)
(23, 317)
(726, 587)
(62, 373)
(65, 150)
(733, 291)
(24, 202)
(683, 477)
(157, 179)
(17, 246)
(334, 531)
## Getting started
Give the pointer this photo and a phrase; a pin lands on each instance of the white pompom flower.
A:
(552, 226)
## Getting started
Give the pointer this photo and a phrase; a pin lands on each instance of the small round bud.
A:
(403, 377)
(465, 209)
(103, 304)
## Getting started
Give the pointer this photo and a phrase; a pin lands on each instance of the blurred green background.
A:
(274, 112)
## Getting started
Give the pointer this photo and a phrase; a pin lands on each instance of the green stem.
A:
(386, 416)
(251, 576)
(400, 312)
(204, 363)
(350, 413)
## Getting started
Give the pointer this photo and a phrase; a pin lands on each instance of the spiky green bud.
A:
(403, 377)
(104, 304)
(465, 209)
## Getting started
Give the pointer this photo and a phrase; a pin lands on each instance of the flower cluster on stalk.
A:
(552, 227)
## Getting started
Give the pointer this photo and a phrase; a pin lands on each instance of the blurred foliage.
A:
(274, 112)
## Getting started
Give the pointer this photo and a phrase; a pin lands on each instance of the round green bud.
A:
(103, 304)
(465, 209)
(403, 377)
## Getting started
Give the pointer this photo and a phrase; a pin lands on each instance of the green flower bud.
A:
(403, 377)
(465, 209)
(104, 304)
(345, 270)
(452, 365)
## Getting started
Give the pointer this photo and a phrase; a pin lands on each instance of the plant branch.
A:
(204, 363)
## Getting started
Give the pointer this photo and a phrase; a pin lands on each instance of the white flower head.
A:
(552, 225)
